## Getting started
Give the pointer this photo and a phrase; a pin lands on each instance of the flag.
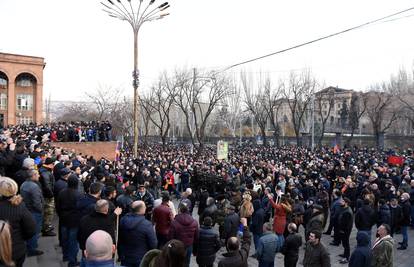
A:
(396, 160)
(117, 151)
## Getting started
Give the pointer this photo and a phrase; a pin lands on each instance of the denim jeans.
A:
(256, 238)
(32, 243)
(404, 233)
(70, 245)
(189, 251)
(266, 263)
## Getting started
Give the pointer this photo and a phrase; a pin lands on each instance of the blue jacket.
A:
(361, 256)
(136, 237)
(269, 244)
(86, 205)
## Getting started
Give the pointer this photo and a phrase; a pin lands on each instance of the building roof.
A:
(336, 90)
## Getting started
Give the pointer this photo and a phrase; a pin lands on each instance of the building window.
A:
(24, 82)
(3, 101)
(24, 102)
(24, 120)
(3, 83)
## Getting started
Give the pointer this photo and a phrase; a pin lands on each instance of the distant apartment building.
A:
(21, 89)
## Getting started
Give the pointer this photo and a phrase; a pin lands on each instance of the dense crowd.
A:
(79, 131)
(125, 209)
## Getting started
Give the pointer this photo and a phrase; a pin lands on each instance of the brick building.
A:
(21, 89)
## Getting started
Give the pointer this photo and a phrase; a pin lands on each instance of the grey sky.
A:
(83, 47)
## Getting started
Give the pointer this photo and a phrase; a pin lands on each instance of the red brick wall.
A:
(96, 149)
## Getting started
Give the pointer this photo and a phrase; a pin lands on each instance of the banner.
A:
(222, 150)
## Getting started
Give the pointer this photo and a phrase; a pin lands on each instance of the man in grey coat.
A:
(33, 198)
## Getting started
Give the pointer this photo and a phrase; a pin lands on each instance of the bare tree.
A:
(197, 95)
(76, 111)
(106, 100)
(256, 101)
(299, 94)
(158, 104)
(381, 110)
(357, 109)
(231, 112)
(325, 101)
(146, 111)
(272, 106)
(403, 86)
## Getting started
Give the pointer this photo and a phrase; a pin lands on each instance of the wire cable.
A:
(321, 38)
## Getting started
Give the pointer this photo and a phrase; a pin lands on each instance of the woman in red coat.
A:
(281, 210)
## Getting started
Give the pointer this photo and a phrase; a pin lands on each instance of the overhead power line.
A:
(324, 37)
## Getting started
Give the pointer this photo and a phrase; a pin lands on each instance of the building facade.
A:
(21, 89)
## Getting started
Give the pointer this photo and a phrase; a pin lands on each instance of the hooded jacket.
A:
(136, 237)
(361, 257)
(185, 229)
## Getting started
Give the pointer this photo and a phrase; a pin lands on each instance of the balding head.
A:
(138, 207)
(232, 244)
(99, 246)
(102, 206)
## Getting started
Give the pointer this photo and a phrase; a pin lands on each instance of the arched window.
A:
(25, 80)
(3, 80)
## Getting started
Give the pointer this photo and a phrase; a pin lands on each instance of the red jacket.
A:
(162, 217)
(185, 229)
(279, 221)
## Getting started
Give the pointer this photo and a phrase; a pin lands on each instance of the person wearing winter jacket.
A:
(383, 213)
(185, 229)
(365, 218)
(237, 254)
(361, 256)
(33, 198)
(13, 210)
(256, 228)
(383, 248)
(208, 245)
(405, 220)
(267, 246)
(291, 246)
(136, 236)
(345, 223)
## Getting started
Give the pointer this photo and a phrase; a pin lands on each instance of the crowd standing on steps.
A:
(125, 209)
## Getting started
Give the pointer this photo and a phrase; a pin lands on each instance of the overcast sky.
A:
(83, 47)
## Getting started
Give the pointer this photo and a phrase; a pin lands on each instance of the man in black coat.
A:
(69, 217)
(258, 219)
(365, 218)
(209, 211)
(291, 246)
(405, 220)
(208, 245)
(231, 223)
(345, 223)
(100, 219)
(237, 257)
(86, 204)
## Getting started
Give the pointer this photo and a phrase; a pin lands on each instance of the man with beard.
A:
(316, 253)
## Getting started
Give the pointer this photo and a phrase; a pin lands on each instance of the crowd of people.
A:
(75, 131)
(125, 211)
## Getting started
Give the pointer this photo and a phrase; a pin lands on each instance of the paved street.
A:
(53, 255)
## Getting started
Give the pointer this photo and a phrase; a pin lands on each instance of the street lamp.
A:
(135, 16)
